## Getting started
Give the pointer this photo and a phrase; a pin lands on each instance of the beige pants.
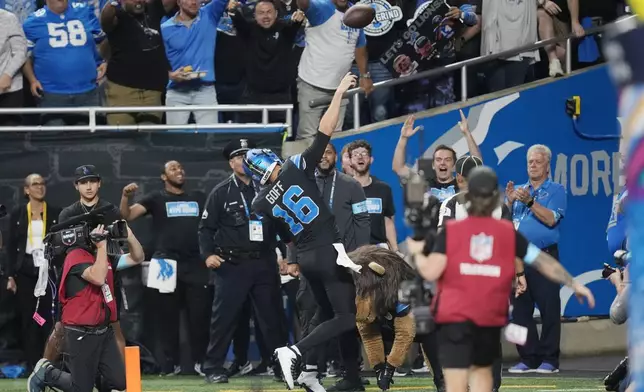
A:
(117, 95)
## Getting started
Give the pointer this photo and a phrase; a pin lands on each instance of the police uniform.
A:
(247, 244)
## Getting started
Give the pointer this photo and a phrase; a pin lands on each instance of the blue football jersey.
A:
(63, 48)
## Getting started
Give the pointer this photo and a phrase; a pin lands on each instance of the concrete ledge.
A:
(584, 339)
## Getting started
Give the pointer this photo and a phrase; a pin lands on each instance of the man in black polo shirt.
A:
(176, 213)
(137, 69)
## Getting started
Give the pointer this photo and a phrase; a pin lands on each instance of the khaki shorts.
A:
(117, 95)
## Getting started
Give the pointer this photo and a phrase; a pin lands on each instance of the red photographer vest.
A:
(88, 307)
(478, 277)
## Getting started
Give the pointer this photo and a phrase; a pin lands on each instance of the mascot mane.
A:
(371, 282)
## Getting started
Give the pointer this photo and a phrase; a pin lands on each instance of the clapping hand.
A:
(523, 195)
(509, 192)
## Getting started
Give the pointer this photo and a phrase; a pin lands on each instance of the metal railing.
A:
(93, 111)
(463, 65)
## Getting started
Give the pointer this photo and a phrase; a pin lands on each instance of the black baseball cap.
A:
(466, 164)
(237, 147)
(482, 182)
(86, 172)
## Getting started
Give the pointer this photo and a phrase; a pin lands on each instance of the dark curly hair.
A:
(383, 289)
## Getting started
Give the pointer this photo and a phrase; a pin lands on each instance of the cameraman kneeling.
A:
(473, 264)
(87, 309)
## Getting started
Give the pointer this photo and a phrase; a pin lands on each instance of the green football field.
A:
(407, 384)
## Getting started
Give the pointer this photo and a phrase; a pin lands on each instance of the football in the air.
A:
(359, 16)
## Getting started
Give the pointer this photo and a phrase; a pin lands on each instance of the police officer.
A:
(239, 247)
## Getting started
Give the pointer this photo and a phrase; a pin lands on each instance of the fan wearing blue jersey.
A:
(190, 38)
(290, 197)
(331, 48)
(64, 64)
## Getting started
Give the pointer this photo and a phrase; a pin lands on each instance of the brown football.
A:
(359, 16)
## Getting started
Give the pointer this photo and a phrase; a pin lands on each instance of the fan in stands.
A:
(359, 16)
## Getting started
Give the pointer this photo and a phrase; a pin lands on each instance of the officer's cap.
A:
(482, 182)
(237, 147)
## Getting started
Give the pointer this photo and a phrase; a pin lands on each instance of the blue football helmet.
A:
(259, 163)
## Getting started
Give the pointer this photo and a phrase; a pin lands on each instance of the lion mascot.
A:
(380, 317)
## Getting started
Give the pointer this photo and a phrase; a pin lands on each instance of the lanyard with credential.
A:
(242, 197)
(44, 222)
(335, 173)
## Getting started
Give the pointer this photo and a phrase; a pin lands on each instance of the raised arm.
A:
(398, 162)
(474, 149)
(329, 121)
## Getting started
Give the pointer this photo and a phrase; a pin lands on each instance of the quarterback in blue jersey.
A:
(64, 64)
(291, 198)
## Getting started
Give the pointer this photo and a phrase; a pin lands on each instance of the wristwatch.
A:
(366, 75)
(541, 2)
(530, 203)
(520, 274)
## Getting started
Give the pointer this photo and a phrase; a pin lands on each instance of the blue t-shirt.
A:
(194, 45)
(63, 48)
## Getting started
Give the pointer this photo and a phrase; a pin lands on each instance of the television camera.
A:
(77, 232)
(622, 258)
(421, 215)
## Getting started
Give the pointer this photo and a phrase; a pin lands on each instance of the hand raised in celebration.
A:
(130, 189)
(408, 129)
(465, 128)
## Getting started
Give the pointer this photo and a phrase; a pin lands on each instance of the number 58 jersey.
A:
(63, 48)
(294, 200)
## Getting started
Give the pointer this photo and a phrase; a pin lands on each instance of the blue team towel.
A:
(12, 371)
(588, 50)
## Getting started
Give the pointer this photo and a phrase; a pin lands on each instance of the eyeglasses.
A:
(38, 184)
(361, 154)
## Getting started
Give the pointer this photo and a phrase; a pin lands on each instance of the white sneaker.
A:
(310, 381)
(288, 359)
(554, 69)
(247, 368)
(421, 370)
(198, 370)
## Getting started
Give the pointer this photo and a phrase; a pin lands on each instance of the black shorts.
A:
(462, 345)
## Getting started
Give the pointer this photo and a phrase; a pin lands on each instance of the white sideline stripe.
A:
(571, 390)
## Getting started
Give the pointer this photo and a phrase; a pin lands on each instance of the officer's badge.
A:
(244, 143)
(481, 247)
